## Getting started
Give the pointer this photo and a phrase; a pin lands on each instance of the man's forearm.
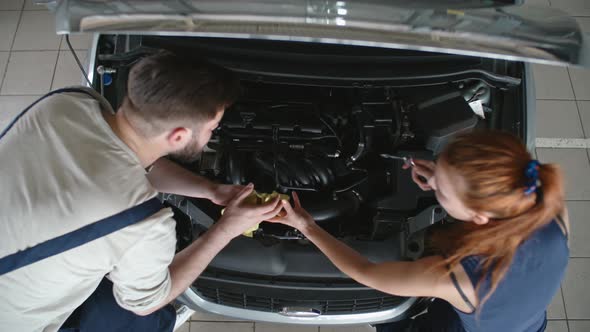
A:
(168, 177)
(190, 262)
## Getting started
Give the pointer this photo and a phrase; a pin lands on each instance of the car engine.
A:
(328, 145)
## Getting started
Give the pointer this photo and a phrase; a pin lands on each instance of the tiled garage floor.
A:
(33, 60)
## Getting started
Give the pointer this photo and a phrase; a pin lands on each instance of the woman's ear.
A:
(480, 218)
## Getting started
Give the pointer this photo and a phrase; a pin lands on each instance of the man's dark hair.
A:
(165, 90)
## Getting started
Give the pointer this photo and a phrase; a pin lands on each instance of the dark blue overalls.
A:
(519, 302)
(100, 312)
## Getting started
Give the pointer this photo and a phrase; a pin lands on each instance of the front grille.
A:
(248, 300)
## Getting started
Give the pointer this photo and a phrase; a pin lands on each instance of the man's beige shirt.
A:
(61, 168)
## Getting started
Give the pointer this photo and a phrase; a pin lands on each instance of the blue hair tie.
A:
(532, 177)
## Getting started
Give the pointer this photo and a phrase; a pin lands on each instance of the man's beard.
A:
(190, 153)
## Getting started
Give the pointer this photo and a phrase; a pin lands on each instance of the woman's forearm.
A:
(423, 277)
(402, 278)
(345, 258)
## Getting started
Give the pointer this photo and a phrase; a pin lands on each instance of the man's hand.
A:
(239, 216)
(424, 169)
(189, 263)
(296, 216)
(222, 194)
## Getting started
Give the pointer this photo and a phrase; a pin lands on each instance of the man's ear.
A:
(480, 218)
(178, 137)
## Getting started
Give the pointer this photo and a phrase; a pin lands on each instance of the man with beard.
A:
(69, 163)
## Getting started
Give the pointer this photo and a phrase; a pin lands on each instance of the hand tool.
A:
(407, 161)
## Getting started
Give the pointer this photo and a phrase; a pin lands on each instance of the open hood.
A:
(493, 29)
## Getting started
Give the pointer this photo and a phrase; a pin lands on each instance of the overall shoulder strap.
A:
(79, 236)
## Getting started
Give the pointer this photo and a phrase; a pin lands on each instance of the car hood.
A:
(494, 29)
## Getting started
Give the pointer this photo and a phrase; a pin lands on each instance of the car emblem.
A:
(301, 312)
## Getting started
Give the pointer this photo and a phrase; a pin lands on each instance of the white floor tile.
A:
(30, 5)
(584, 23)
(556, 309)
(8, 23)
(67, 72)
(11, 106)
(79, 42)
(29, 73)
(36, 31)
(556, 326)
(558, 118)
(573, 7)
(186, 327)
(576, 293)
(552, 82)
(575, 168)
(581, 82)
(361, 328)
(579, 325)
(265, 327)
(580, 228)
(221, 327)
(11, 4)
(584, 107)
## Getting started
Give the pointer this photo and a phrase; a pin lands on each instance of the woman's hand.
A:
(424, 170)
(296, 216)
(239, 216)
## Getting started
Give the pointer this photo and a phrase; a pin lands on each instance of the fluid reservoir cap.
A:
(107, 79)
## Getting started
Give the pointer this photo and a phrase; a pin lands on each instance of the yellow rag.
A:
(257, 199)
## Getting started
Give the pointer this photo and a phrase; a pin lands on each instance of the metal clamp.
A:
(426, 218)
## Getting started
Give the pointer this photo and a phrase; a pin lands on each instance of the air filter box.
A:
(441, 117)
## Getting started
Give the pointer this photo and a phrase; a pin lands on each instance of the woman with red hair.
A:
(495, 270)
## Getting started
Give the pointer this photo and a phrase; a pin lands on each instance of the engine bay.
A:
(327, 137)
